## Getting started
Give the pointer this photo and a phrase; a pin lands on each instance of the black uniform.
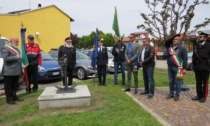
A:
(201, 66)
(102, 60)
(71, 60)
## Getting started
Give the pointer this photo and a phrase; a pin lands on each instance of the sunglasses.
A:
(201, 36)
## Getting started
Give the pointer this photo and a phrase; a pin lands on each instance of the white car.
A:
(3, 41)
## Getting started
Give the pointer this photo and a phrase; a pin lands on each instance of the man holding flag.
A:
(118, 51)
(11, 70)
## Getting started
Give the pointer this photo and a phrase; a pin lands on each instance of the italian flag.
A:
(24, 57)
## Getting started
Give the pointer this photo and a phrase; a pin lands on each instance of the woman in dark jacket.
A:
(70, 52)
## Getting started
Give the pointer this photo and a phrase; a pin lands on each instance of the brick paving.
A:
(184, 112)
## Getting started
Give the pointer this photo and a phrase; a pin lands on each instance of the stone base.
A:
(55, 98)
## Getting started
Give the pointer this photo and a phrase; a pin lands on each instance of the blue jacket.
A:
(182, 54)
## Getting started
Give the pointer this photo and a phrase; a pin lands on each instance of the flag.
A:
(24, 56)
(95, 50)
(115, 25)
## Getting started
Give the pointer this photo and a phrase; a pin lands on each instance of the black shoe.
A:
(123, 83)
(11, 102)
(150, 96)
(196, 98)
(144, 93)
(99, 84)
(19, 99)
(176, 98)
(202, 100)
(169, 96)
(116, 83)
(127, 89)
(136, 91)
(104, 84)
(34, 91)
(28, 90)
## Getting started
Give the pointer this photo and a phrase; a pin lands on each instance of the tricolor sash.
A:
(135, 68)
(12, 48)
(178, 63)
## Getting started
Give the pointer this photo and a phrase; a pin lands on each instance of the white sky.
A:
(89, 14)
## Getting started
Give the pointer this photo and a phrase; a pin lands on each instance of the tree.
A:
(87, 40)
(170, 17)
(75, 38)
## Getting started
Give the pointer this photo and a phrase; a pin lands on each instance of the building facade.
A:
(49, 25)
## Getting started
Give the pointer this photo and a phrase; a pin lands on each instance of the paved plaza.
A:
(184, 112)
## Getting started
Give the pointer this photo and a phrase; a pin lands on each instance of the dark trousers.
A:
(202, 83)
(32, 71)
(69, 77)
(10, 86)
(101, 72)
(149, 83)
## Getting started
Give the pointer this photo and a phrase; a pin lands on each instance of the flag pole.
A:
(24, 57)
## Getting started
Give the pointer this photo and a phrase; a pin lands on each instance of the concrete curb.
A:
(159, 119)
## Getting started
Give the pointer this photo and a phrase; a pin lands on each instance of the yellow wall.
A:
(52, 24)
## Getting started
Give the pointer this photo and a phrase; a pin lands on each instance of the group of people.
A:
(131, 56)
(12, 68)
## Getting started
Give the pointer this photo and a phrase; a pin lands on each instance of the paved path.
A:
(181, 113)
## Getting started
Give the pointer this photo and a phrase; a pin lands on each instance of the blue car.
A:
(49, 69)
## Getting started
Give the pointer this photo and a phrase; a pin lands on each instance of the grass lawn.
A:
(110, 106)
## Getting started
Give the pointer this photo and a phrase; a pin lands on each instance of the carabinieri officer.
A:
(201, 66)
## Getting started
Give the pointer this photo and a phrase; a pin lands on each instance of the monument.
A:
(64, 96)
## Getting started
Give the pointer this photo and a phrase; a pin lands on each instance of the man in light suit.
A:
(146, 60)
(131, 55)
(11, 70)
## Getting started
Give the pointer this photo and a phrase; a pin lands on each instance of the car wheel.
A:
(191, 66)
(81, 73)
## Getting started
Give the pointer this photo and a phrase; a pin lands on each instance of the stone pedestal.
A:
(55, 98)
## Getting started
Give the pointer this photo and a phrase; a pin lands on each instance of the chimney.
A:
(39, 5)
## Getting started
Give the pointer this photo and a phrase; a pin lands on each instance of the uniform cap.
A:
(30, 37)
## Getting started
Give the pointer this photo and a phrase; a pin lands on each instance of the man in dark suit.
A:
(146, 60)
(11, 70)
(201, 66)
(70, 51)
(102, 62)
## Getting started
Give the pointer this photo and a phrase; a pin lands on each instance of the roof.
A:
(19, 12)
(194, 33)
(146, 34)
(126, 39)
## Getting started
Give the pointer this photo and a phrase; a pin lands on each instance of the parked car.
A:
(49, 69)
(3, 41)
(110, 60)
(189, 61)
(83, 68)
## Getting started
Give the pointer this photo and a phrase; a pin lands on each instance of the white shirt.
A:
(142, 54)
(99, 48)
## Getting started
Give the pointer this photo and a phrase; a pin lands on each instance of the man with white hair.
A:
(11, 70)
